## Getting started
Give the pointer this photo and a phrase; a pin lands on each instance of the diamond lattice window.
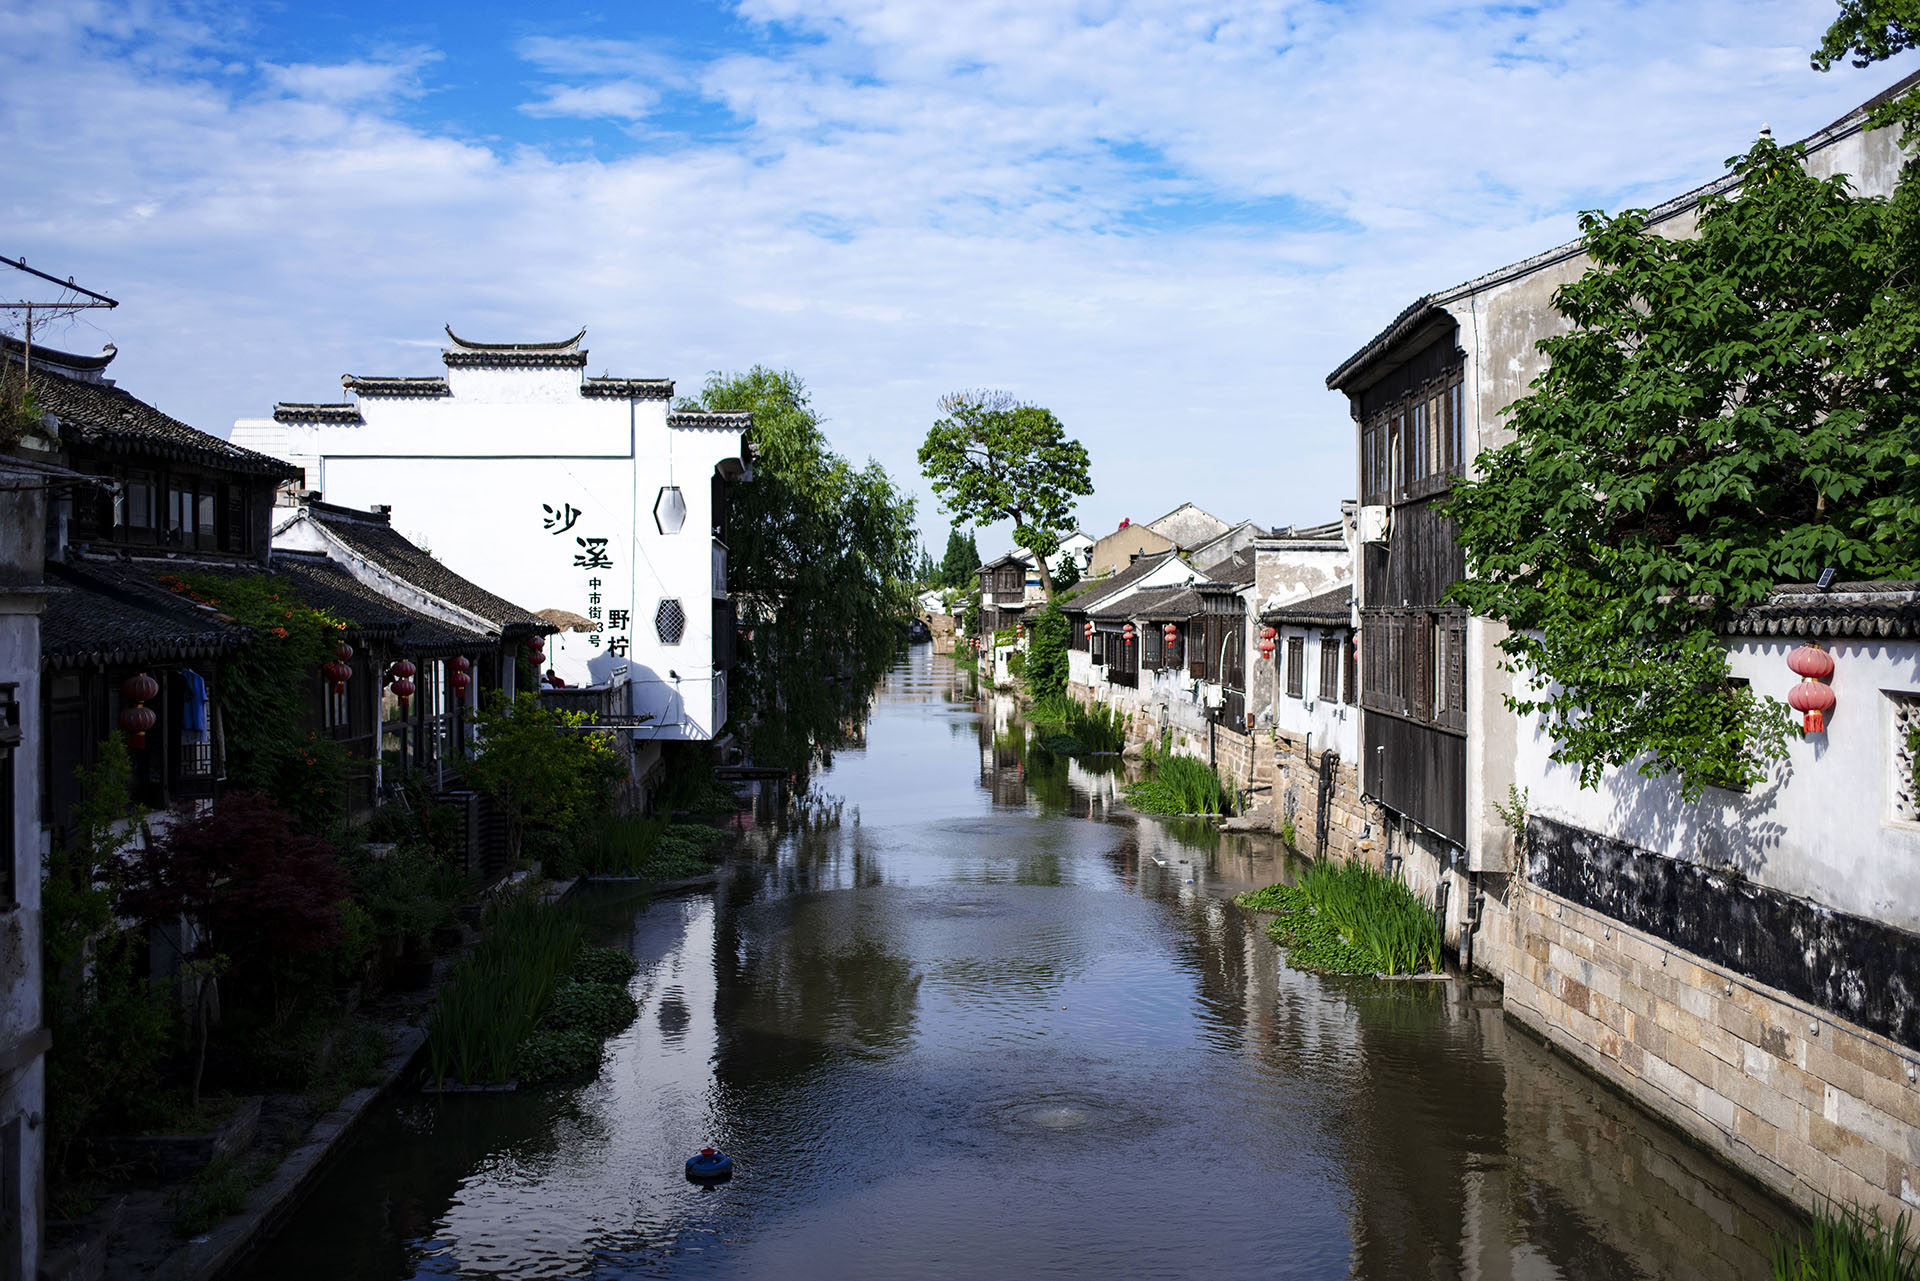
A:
(1906, 757)
(670, 622)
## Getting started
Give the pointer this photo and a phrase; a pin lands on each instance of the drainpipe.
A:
(1470, 924)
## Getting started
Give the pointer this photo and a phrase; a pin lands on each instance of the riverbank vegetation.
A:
(1176, 784)
(530, 1004)
(1845, 1244)
(1347, 918)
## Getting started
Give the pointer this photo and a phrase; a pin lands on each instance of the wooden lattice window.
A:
(1296, 666)
(1330, 667)
(1906, 757)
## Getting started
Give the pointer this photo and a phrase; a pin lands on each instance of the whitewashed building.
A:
(572, 495)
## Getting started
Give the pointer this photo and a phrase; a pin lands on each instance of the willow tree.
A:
(1724, 413)
(994, 457)
(821, 553)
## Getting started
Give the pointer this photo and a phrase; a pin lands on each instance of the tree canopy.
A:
(822, 555)
(962, 560)
(994, 457)
(1726, 412)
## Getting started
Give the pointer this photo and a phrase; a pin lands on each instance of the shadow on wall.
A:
(659, 694)
(1722, 830)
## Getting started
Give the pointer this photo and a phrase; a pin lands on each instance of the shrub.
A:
(554, 1054)
(603, 965)
(1046, 665)
(600, 1008)
(266, 897)
(539, 765)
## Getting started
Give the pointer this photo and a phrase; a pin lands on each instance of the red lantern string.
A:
(1811, 698)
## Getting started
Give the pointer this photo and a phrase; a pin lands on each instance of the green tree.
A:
(993, 457)
(1046, 673)
(822, 554)
(961, 562)
(1870, 31)
(1725, 412)
(544, 770)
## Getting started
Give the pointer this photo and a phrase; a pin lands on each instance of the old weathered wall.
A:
(1810, 1104)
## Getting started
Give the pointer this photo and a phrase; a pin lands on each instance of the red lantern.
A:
(460, 663)
(1266, 643)
(403, 683)
(536, 649)
(1811, 664)
(1126, 633)
(138, 719)
(460, 682)
(1089, 631)
(343, 651)
(337, 672)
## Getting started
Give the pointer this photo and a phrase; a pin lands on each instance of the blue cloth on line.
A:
(193, 715)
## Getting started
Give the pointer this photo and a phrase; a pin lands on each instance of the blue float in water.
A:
(709, 1166)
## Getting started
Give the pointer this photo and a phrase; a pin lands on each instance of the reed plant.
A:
(495, 997)
(1179, 785)
(1842, 1243)
(1346, 918)
(1377, 913)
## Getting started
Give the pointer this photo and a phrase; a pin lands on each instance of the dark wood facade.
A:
(1409, 407)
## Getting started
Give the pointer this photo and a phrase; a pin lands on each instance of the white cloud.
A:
(349, 83)
(1166, 224)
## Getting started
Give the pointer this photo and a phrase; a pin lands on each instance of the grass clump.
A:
(1346, 918)
(1179, 785)
(218, 1192)
(555, 1054)
(599, 1008)
(1845, 1244)
(494, 998)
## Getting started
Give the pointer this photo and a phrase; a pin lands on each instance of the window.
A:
(1348, 688)
(1905, 722)
(669, 622)
(1296, 666)
(138, 505)
(1330, 666)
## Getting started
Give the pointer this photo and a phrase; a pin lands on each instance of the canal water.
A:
(990, 1025)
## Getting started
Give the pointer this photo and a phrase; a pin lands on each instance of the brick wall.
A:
(1807, 1103)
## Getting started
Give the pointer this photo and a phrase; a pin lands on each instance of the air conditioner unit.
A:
(1213, 696)
(1376, 523)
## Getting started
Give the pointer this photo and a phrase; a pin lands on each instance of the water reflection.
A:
(968, 1031)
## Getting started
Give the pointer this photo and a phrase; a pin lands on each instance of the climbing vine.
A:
(266, 691)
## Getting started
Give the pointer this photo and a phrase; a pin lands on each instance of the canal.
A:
(989, 1026)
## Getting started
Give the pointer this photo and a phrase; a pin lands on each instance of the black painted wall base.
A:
(1860, 970)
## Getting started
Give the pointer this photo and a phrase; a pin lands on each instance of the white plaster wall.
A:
(468, 479)
(1333, 724)
(1821, 827)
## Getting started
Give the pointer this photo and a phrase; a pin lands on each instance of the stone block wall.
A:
(1354, 826)
(1807, 1103)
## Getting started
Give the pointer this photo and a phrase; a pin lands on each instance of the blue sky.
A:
(1166, 223)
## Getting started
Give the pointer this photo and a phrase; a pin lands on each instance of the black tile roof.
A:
(403, 387)
(103, 417)
(1883, 610)
(327, 585)
(1158, 603)
(564, 354)
(372, 536)
(1135, 571)
(627, 388)
(1236, 569)
(289, 411)
(688, 419)
(1328, 609)
(114, 612)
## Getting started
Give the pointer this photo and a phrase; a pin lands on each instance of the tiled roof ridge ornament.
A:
(565, 345)
(568, 354)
